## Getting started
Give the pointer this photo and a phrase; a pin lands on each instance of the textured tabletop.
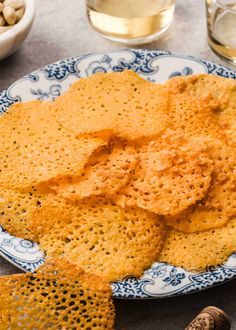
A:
(60, 30)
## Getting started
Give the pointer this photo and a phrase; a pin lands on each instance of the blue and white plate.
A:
(161, 280)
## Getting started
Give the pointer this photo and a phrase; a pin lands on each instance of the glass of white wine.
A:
(221, 23)
(131, 21)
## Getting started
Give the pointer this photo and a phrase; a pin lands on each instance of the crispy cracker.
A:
(35, 148)
(223, 91)
(196, 219)
(193, 116)
(219, 204)
(222, 193)
(119, 103)
(58, 296)
(100, 237)
(197, 251)
(105, 174)
(171, 175)
(16, 208)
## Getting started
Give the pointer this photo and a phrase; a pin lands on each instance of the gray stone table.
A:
(60, 30)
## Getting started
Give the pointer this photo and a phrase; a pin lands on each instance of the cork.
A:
(210, 318)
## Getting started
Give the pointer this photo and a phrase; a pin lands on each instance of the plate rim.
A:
(165, 53)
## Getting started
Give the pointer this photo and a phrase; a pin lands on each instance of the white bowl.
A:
(13, 38)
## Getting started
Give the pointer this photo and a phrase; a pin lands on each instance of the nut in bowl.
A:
(16, 18)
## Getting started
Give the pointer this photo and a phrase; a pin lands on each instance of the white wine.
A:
(221, 20)
(131, 21)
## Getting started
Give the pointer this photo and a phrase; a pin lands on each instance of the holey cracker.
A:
(221, 89)
(35, 148)
(98, 236)
(59, 295)
(16, 208)
(106, 173)
(219, 204)
(122, 104)
(199, 250)
(172, 174)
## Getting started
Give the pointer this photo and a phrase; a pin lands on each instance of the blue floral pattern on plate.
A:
(60, 70)
(52, 93)
(23, 253)
(101, 65)
(161, 280)
(185, 72)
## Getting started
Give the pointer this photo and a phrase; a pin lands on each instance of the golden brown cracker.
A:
(35, 148)
(100, 237)
(197, 251)
(219, 204)
(197, 219)
(223, 90)
(16, 208)
(221, 195)
(172, 174)
(119, 103)
(58, 296)
(194, 116)
(105, 174)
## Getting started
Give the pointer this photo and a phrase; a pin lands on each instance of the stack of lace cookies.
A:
(119, 172)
